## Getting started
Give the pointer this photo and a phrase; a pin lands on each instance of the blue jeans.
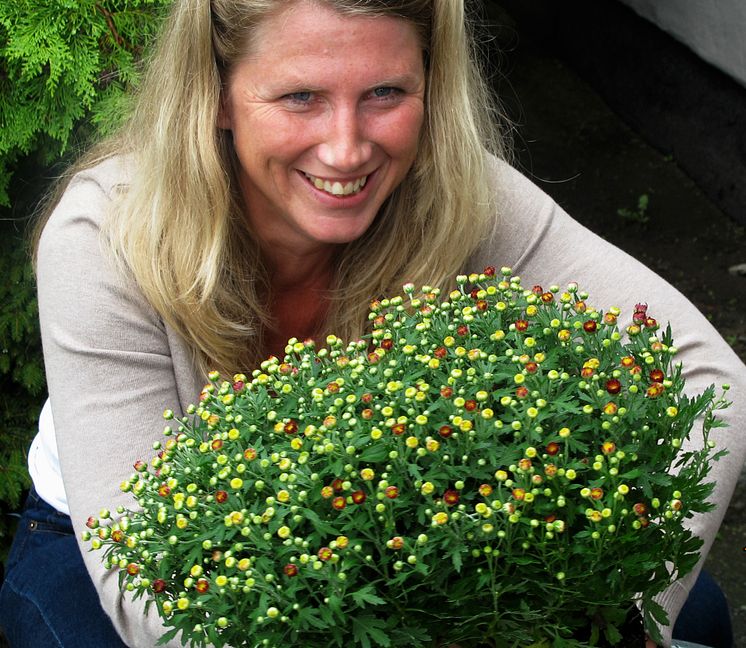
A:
(48, 599)
(705, 617)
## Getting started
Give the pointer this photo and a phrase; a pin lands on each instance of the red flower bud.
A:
(521, 392)
(221, 496)
(238, 385)
(446, 392)
(158, 585)
(133, 569)
(655, 390)
(531, 367)
(217, 444)
(482, 305)
(399, 428)
(392, 492)
(613, 386)
(489, 271)
(324, 553)
(202, 585)
(445, 431)
(440, 352)
(590, 326)
(521, 325)
(470, 405)
(552, 448)
(462, 330)
(656, 375)
(290, 570)
(339, 503)
(291, 427)
(338, 485)
(358, 496)
(547, 297)
(387, 344)
(451, 497)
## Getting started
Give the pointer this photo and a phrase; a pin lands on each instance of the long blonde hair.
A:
(179, 228)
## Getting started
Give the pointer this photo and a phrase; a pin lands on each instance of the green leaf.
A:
(374, 453)
(368, 627)
(366, 595)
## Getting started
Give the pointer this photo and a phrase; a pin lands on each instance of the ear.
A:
(224, 120)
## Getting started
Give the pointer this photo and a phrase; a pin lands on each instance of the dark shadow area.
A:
(608, 176)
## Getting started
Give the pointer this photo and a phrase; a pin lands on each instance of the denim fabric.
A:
(48, 599)
(705, 617)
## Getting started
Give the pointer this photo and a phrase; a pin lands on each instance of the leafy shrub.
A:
(65, 69)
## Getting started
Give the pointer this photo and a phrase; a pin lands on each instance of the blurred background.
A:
(630, 113)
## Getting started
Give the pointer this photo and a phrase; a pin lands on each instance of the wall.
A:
(714, 29)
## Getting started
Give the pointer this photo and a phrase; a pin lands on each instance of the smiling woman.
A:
(286, 161)
(326, 113)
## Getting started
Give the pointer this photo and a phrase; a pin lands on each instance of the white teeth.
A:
(337, 188)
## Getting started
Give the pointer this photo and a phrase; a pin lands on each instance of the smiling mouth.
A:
(337, 188)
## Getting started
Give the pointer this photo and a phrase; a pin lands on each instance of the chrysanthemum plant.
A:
(504, 467)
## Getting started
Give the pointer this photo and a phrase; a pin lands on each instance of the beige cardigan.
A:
(113, 366)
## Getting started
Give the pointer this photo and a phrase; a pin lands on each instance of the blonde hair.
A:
(179, 230)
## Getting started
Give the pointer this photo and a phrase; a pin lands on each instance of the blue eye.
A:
(299, 97)
(384, 92)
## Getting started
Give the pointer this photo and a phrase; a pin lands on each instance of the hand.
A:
(649, 643)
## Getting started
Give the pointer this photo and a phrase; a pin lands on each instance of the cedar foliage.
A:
(66, 67)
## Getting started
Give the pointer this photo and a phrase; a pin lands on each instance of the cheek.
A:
(400, 134)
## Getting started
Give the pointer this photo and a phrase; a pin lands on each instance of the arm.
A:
(111, 370)
(544, 245)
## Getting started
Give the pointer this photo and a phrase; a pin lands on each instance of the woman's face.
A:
(326, 113)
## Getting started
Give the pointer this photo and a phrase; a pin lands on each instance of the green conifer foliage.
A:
(66, 67)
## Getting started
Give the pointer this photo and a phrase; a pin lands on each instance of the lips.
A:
(337, 187)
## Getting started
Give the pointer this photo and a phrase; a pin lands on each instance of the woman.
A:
(285, 162)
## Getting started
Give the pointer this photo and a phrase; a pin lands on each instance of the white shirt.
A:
(44, 463)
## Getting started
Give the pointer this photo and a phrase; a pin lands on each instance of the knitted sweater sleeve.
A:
(543, 245)
(111, 372)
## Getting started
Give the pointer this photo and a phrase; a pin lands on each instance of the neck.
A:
(298, 299)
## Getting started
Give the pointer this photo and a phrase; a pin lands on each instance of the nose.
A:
(345, 146)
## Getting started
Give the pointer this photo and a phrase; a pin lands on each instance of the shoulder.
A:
(521, 214)
(71, 234)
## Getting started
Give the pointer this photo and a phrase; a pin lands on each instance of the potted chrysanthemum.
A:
(499, 467)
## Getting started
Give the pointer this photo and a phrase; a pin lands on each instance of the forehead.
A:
(311, 45)
(310, 27)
